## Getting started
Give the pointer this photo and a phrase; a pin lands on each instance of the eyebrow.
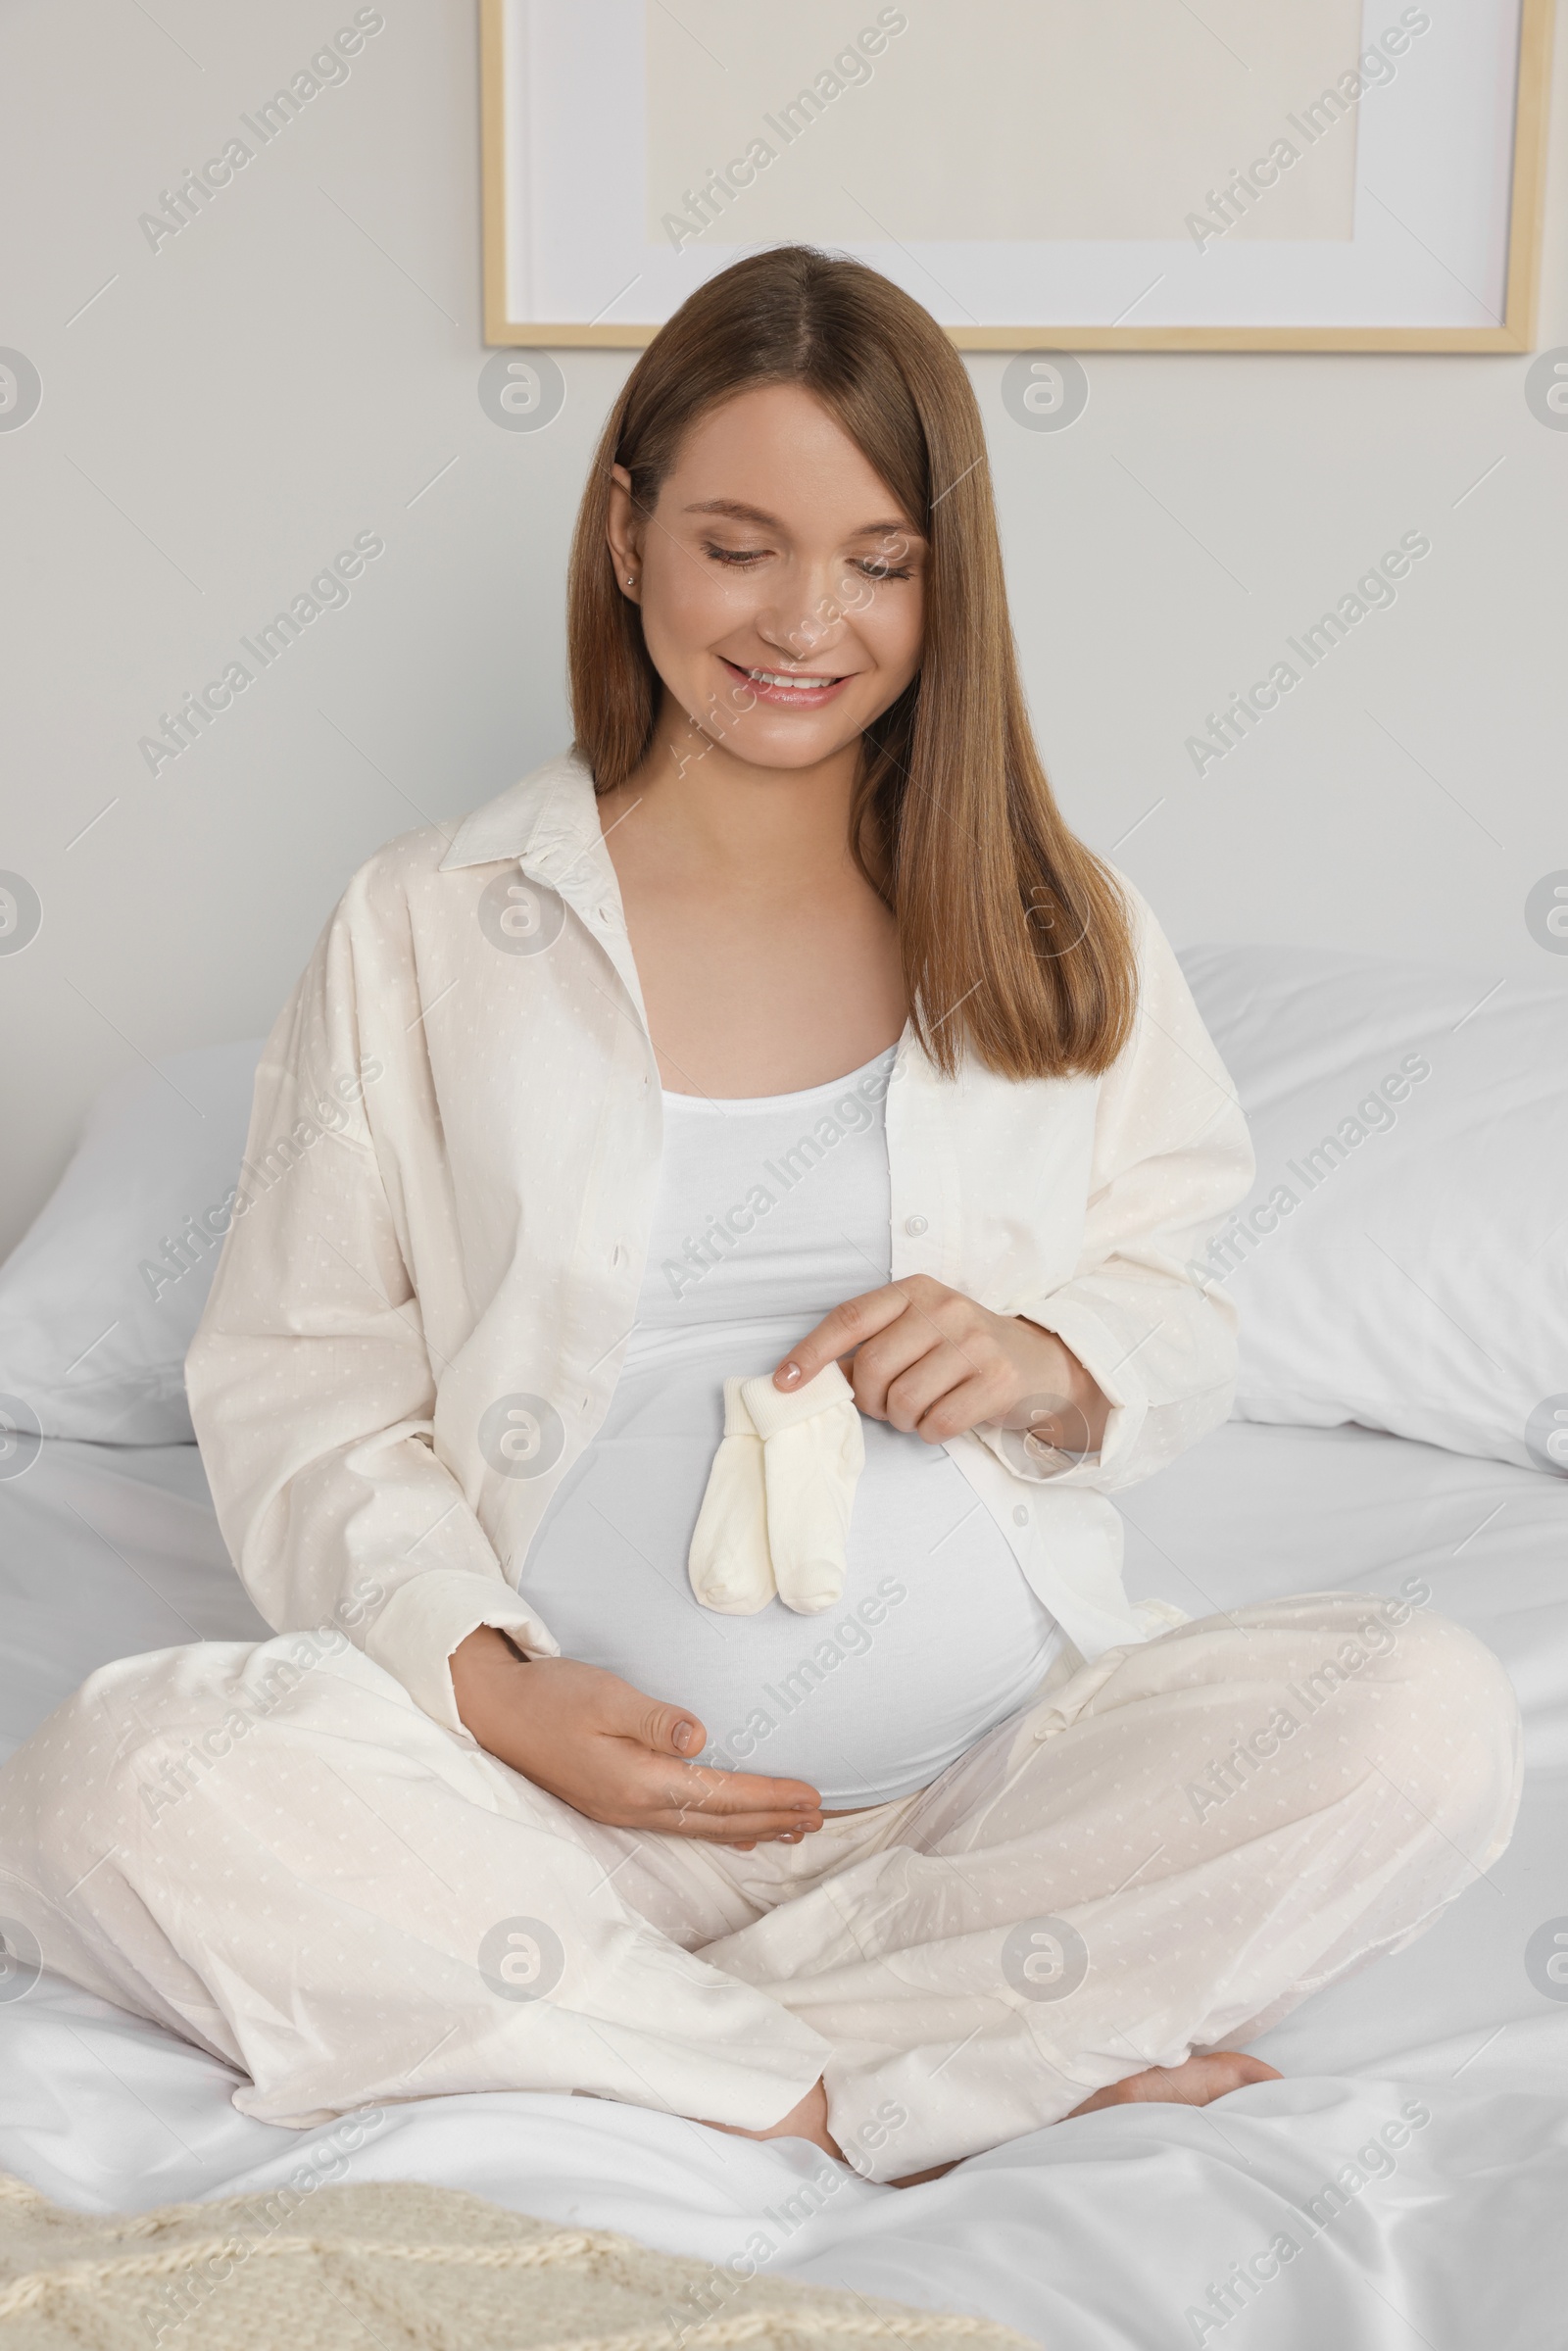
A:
(736, 511)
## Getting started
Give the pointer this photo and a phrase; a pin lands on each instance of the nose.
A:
(806, 630)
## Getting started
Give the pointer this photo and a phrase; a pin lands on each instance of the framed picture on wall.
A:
(1153, 175)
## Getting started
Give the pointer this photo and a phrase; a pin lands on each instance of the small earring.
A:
(632, 580)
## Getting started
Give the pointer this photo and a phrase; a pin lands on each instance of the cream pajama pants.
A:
(273, 1852)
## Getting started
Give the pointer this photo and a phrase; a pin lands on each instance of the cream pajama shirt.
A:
(295, 1854)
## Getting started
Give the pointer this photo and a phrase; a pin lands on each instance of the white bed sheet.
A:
(1109, 2230)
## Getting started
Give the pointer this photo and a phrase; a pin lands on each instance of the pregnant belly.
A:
(936, 1639)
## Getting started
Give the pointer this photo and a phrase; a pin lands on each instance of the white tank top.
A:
(769, 1212)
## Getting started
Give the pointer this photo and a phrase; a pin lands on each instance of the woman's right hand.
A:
(612, 1753)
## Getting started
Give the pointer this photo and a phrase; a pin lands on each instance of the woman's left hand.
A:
(932, 1362)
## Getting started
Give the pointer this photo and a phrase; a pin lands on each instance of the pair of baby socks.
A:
(775, 1517)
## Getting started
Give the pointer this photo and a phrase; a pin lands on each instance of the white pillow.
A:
(100, 1301)
(1402, 1258)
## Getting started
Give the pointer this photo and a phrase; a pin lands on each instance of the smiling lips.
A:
(785, 689)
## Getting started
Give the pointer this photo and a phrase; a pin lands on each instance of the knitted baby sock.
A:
(728, 1564)
(813, 1455)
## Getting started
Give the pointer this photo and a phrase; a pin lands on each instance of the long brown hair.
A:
(1015, 937)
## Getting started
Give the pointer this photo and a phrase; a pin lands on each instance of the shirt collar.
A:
(549, 822)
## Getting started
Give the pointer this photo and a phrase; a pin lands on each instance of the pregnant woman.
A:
(768, 1115)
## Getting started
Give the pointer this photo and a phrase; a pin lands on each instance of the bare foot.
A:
(1198, 2082)
(808, 2121)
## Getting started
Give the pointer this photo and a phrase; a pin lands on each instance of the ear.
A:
(624, 533)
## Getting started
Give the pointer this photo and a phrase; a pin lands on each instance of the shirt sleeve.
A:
(311, 1383)
(1171, 1157)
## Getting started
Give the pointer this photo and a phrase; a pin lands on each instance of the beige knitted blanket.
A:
(410, 2269)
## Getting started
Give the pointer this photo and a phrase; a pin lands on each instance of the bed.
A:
(1138, 2226)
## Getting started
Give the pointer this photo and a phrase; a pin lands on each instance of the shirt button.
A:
(1021, 1515)
(914, 1226)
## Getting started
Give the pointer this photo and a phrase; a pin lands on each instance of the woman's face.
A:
(775, 553)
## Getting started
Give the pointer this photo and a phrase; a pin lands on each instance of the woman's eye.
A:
(742, 558)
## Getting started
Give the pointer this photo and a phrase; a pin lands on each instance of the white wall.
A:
(302, 361)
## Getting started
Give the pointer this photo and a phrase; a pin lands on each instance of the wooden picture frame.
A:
(1503, 156)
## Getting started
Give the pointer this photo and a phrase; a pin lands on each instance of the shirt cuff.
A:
(1111, 1365)
(425, 1619)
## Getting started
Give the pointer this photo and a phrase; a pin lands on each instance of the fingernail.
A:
(787, 1375)
(684, 1733)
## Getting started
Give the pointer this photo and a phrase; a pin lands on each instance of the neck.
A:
(720, 811)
